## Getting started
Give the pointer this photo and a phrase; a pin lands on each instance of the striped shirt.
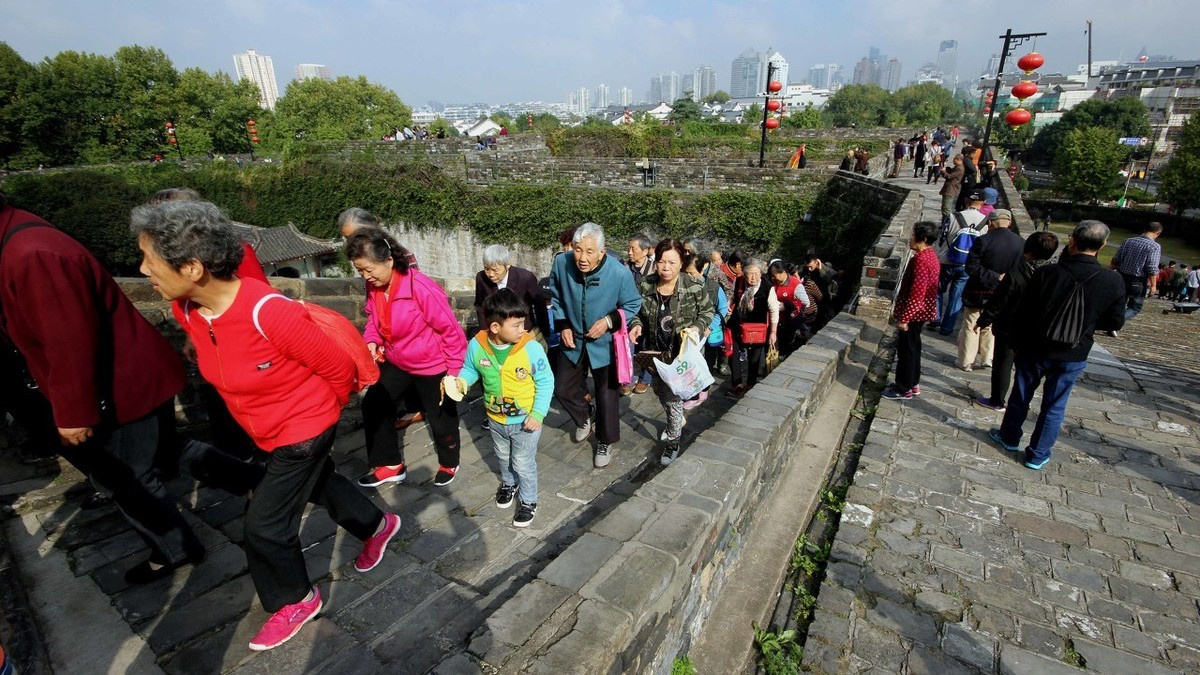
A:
(1138, 257)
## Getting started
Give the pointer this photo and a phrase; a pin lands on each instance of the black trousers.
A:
(382, 402)
(1002, 367)
(120, 462)
(746, 362)
(568, 387)
(908, 356)
(298, 474)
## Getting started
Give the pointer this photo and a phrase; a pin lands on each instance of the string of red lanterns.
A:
(1023, 90)
(774, 104)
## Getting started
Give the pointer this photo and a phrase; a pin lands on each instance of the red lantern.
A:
(990, 94)
(772, 123)
(774, 86)
(774, 104)
(1024, 90)
(172, 141)
(255, 139)
(1018, 117)
(249, 123)
(987, 109)
(1031, 62)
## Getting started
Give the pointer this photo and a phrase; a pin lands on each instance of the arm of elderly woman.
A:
(298, 338)
(435, 307)
(772, 314)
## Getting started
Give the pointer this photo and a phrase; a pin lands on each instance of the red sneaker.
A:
(382, 474)
(444, 475)
(373, 547)
(286, 622)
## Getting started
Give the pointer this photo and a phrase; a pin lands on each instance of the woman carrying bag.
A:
(754, 323)
(675, 307)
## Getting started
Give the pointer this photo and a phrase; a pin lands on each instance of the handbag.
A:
(772, 359)
(688, 374)
(753, 333)
(623, 352)
(727, 342)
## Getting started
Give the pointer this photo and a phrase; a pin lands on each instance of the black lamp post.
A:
(1010, 41)
(772, 87)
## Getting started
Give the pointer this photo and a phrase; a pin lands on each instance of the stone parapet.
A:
(632, 592)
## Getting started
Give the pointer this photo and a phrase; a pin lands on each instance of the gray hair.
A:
(642, 241)
(182, 231)
(755, 262)
(357, 216)
(496, 254)
(589, 231)
(1090, 235)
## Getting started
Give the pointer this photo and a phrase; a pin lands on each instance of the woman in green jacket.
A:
(673, 304)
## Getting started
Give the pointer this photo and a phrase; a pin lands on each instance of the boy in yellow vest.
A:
(517, 387)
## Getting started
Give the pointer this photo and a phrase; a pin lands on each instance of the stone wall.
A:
(631, 593)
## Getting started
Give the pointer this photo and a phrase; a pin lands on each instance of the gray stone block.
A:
(1017, 661)
(633, 579)
(970, 646)
(582, 559)
(1105, 659)
(626, 520)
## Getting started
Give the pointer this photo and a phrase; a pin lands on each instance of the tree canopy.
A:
(684, 110)
(1088, 163)
(342, 109)
(868, 105)
(718, 96)
(1125, 116)
(1181, 176)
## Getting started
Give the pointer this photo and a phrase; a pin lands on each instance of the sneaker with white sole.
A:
(374, 547)
(382, 475)
(584, 432)
(504, 496)
(670, 451)
(445, 475)
(602, 456)
(286, 623)
(524, 515)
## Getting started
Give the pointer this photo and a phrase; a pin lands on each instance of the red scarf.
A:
(383, 316)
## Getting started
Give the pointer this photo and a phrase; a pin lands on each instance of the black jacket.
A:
(991, 255)
(1049, 287)
(525, 284)
(1000, 311)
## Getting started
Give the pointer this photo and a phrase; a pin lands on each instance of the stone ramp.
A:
(456, 560)
(952, 557)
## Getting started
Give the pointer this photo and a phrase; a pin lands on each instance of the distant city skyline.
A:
(536, 49)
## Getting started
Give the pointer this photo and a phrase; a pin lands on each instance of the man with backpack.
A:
(990, 258)
(1063, 305)
(954, 245)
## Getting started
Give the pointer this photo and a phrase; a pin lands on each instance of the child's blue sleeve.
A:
(468, 372)
(543, 380)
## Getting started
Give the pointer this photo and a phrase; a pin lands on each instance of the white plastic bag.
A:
(688, 374)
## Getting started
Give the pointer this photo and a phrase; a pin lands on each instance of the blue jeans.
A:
(954, 280)
(1060, 378)
(1135, 295)
(516, 449)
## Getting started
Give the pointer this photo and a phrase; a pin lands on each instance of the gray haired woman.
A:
(499, 272)
(755, 307)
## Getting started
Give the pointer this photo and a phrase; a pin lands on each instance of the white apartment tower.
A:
(313, 71)
(259, 70)
(947, 62)
(601, 95)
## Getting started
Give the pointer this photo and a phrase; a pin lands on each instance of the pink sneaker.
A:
(286, 622)
(373, 548)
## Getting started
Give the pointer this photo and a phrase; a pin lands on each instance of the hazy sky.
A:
(477, 51)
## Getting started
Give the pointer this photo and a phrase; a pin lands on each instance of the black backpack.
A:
(1065, 329)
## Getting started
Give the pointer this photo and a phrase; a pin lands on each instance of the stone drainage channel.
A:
(779, 644)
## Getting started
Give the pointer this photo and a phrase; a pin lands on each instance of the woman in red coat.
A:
(916, 304)
(285, 382)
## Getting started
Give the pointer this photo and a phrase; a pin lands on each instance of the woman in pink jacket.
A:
(411, 329)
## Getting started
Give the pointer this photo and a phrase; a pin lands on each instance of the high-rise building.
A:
(778, 67)
(993, 65)
(929, 73)
(823, 75)
(625, 96)
(665, 88)
(947, 62)
(582, 101)
(313, 71)
(890, 75)
(864, 72)
(261, 71)
(687, 86)
(704, 82)
(602, 95)
(748, 75)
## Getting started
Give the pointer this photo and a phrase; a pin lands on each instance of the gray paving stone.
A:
(877, 646)
(970, 646)
(633, 578)
(1016, 661)
(925, 661)
(957, 561)
(1133, 640)
(1103, 658)
(1080, 576)
(1042, 640)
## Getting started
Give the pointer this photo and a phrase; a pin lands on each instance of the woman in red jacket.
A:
(916, 303)
(285, 383)
(411, 329)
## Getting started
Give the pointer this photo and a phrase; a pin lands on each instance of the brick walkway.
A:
(952, 557)
(457, 559)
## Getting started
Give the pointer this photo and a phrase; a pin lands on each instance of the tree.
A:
(718, 96)
(344, 109)
(685, 110)
(925, 105)
(1088, 163)
(145, 91)
(807, 118)
(858, 105)
(1181, 176)
(17, 79)
(1126, 116)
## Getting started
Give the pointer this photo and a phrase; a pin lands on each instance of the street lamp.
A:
(173, 140)
(773, 87)
(252, 133)
(1033, 59)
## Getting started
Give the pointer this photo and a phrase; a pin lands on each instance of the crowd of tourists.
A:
(96, 381)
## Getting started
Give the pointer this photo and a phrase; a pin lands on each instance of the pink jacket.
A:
(426, 336)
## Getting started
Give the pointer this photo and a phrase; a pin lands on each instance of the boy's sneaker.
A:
(524, 515)
(286, 622)
(373, 547)
(1035, 465)
(445, 475)
(669, 452)
(602, 456)
(382, 474)
(994, 434)
(504, 496)
(584, 432)
(916, 390)
(986, 402)
(895, 394)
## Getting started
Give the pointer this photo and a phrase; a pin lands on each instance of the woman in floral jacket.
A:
(916, 304)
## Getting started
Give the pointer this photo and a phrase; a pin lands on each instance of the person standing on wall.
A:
(1137, 262)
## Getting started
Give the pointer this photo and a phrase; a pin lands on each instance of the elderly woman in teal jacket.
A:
(587, 288)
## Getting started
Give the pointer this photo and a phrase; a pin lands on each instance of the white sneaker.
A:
(585, 432)
(602, 456)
